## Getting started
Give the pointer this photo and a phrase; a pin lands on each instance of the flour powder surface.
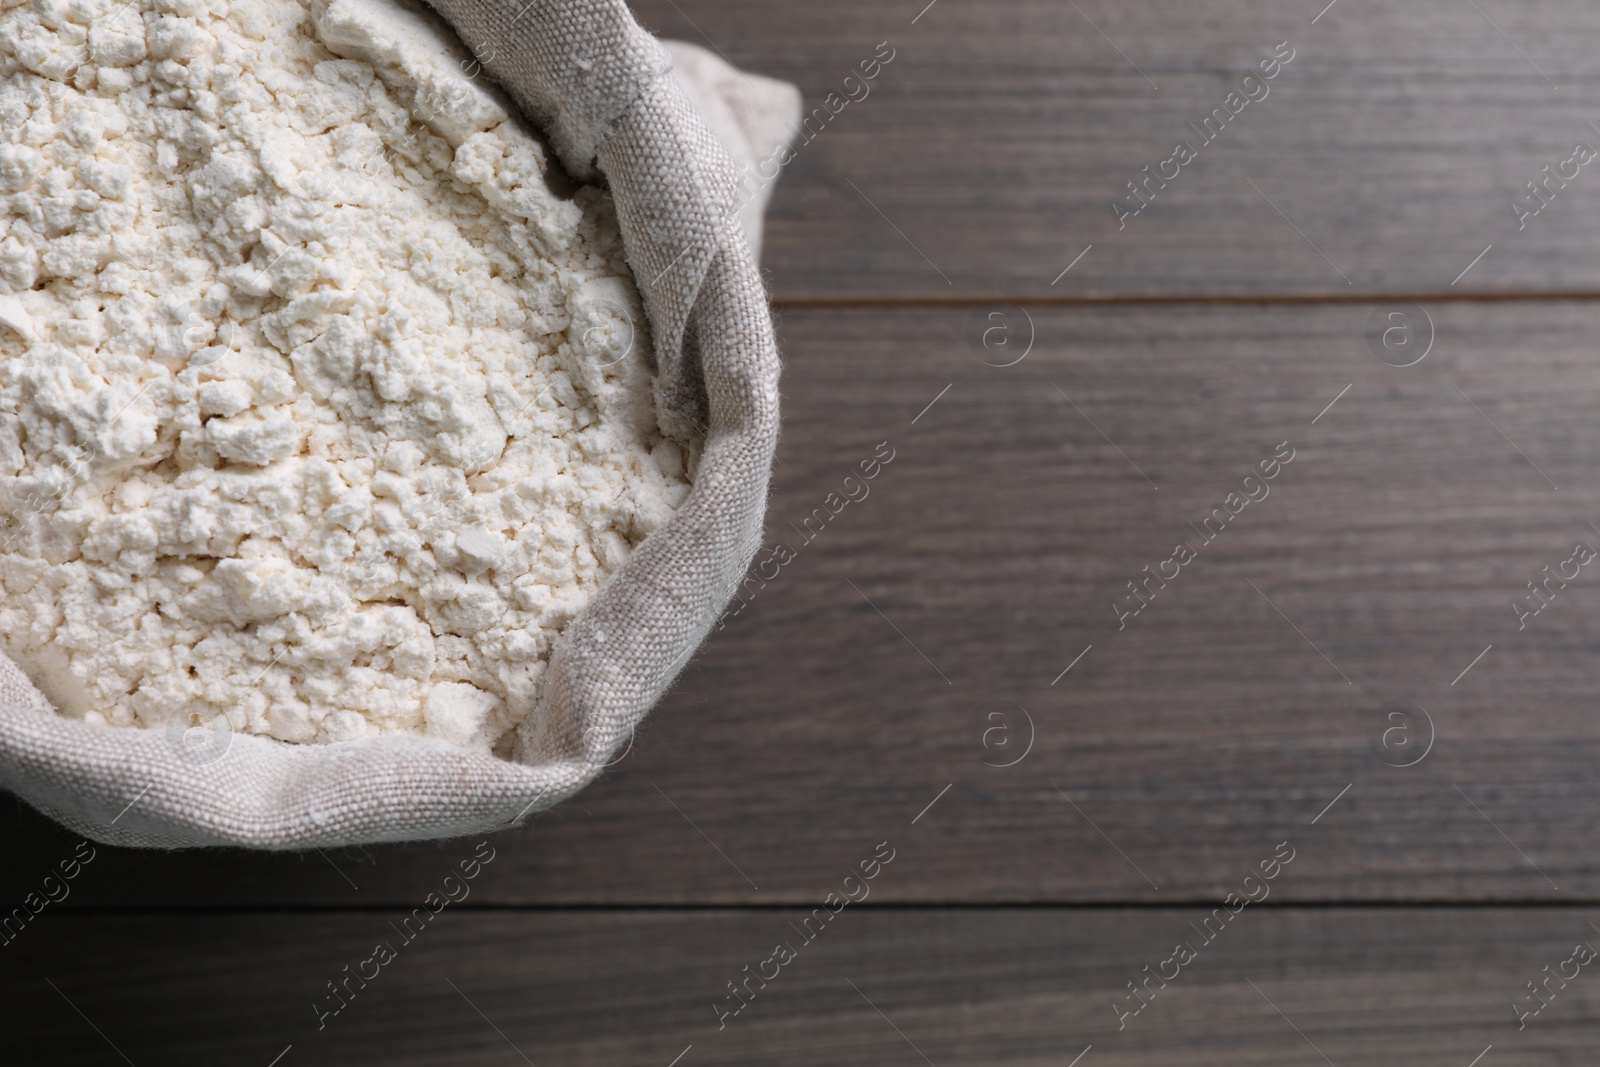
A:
(323, 402)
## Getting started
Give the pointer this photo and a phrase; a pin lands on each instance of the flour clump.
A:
(323, 396)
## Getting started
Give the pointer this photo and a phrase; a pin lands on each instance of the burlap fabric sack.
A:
(603, 91)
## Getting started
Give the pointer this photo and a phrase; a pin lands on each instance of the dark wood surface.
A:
(1278, 985)
(1312, 677)
(999, 135)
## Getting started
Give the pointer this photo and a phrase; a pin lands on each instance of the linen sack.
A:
(607, 97)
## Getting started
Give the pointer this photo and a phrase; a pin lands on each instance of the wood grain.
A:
(986, 155)
(906, 645)
(1430, 988)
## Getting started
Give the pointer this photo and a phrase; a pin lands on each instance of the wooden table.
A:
(1337, 283)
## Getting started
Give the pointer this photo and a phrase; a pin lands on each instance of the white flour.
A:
(321, 407)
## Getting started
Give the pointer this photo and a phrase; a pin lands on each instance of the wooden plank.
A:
(986, 155)
(1432, 988)
(900, 650)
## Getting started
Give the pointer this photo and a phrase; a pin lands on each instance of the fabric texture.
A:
(753, 117)
(605, 93)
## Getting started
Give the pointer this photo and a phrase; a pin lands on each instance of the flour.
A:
(323, 406)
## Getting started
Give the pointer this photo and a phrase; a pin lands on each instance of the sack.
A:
(603, 90)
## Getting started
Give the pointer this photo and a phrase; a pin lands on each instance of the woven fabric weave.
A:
(604, 91)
